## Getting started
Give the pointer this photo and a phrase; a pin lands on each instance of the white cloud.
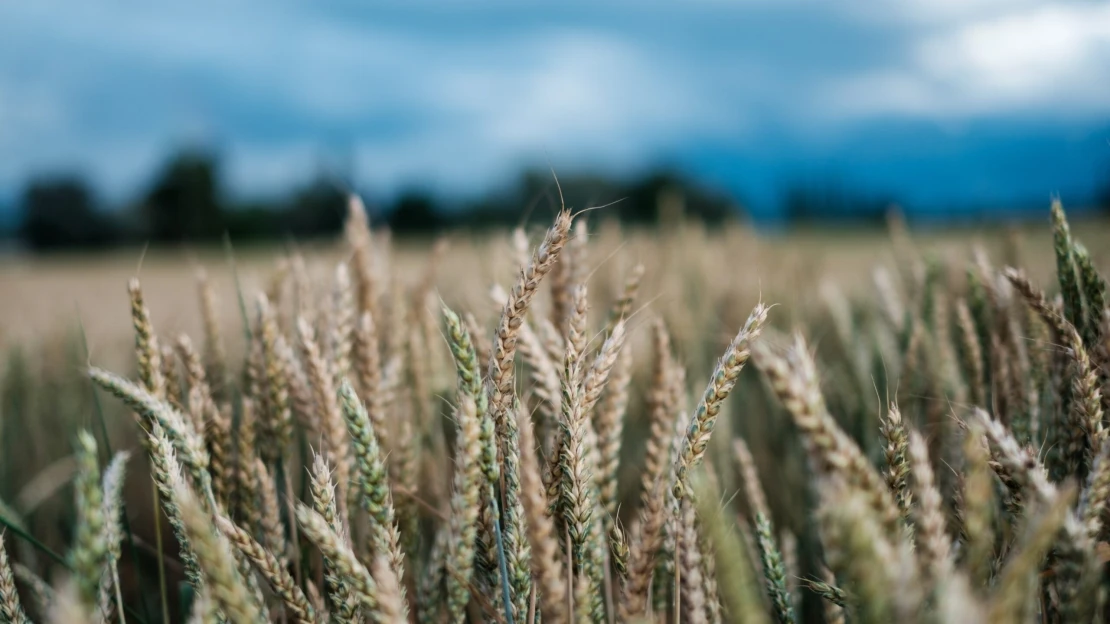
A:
(1053, 60)
(577, 99)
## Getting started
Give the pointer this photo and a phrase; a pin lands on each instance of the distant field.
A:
(47, 294)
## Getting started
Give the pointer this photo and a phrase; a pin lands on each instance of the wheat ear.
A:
(373, 483)
(466, 497)
(335, 549)
(340, 595)
(10, 607)
(704, 417)
(793, 378)
(647, 531)
(272, 570)
(214, 557)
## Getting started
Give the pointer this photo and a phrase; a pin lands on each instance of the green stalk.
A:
(506, 598)
(158, 545)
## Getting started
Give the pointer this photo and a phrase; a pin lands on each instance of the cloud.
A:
(1050, 60)
(458, 107)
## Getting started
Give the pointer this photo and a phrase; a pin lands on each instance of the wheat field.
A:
(568, 422)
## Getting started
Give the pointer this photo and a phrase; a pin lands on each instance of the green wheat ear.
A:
(1066, 272)
(774, 571)
(90, 548)
(1094, 291)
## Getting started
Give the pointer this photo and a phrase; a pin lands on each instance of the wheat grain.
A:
(10, 606)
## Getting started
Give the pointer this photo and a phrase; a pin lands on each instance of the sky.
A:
(946, 105)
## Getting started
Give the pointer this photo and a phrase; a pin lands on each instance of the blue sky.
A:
(944, 104)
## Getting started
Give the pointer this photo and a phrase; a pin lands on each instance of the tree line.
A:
(185, 203)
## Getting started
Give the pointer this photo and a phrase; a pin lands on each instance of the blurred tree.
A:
(830, 201)
(415, 212)
(183, 203)
(489, 212)
(60, 212)
(642, 202)
(318, 209)
(254, 221)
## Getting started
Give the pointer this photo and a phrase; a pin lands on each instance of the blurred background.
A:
(126, 123)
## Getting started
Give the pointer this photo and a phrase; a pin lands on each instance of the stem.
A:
(570, 573)
(607, 562)
(30, 539)
(506, 599)
(60, 560)
(294, 537)
(158, 544)
(677, 576)
(532, 605)
(119, 596)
